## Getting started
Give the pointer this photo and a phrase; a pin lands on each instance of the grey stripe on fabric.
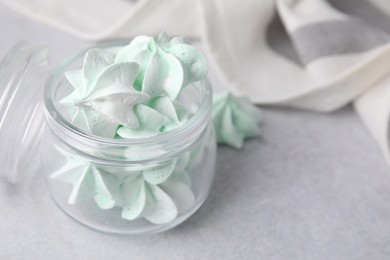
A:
(364, 10)
(339, 37)
(279, 41)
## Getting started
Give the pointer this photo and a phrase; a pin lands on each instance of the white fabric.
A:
(101, 19)
(325, 68)
(234, 33)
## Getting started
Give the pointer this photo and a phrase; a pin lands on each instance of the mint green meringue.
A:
(133, 93)
(157, 194)
(159, 115)
(192, 59)
(158, 204)
(161, 72)
(106, 99)
(235, 119)
(88, 182)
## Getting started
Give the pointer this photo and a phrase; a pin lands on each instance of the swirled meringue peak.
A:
(134, 92)
(235, 119)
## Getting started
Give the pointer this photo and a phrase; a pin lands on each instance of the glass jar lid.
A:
(23, 72)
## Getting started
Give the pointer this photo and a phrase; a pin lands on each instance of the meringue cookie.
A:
(159, 204)
(235, 119)
(151, 121)
(160, 174)
(114, 95)
(88, 182)
(160, 72)
(193, 61)
(111, 91)
(158, 194)
(103, 96)
(157, 116)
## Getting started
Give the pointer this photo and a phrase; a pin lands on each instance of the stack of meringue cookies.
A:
(132, 94)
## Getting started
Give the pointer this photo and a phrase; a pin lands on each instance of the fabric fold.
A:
(374, 109)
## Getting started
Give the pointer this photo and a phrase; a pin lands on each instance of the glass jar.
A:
(127, 186)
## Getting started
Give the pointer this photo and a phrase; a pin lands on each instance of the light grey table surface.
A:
(315, 186)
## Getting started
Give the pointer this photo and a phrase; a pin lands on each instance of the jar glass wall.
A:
(128, 186)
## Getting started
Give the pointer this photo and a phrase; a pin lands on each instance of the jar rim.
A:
(53, 114)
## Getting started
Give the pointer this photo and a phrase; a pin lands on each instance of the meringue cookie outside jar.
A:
(128, 186)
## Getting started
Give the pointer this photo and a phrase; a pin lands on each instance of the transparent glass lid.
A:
(23, 72)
